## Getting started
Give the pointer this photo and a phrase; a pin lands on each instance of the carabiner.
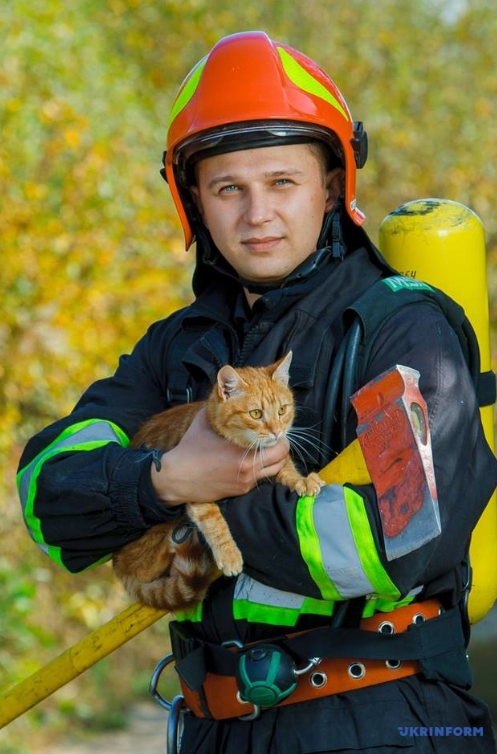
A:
(174, 708)
(313, 661)
(175, 725)
(154, 680)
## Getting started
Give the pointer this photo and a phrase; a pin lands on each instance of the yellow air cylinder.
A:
(442, 242)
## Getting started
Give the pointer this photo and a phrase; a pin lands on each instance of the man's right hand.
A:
(205, 467)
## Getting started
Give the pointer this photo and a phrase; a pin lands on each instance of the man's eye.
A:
(228, 189)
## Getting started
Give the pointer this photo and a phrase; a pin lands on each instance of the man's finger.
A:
(271, 470)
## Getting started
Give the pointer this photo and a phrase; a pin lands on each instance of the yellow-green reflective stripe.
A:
(193, 614)
(366, 547)
(378, 605)
(69, 432)
(188, 91)
(311, 550)
(303, 79)
(28, 476)
(279, 616)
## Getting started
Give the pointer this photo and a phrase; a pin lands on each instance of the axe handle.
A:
(349, 466)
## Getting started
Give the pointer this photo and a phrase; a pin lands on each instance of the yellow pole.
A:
(75, 661)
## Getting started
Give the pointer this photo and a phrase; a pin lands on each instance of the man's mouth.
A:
(265, 243)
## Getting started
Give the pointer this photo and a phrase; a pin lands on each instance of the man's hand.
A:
(204, 467)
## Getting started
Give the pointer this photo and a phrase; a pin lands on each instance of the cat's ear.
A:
(229, 382)
(281, 371)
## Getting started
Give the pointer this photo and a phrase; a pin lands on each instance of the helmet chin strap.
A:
(332, 231)
(330, 244)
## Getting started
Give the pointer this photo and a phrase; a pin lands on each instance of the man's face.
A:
(264, 207)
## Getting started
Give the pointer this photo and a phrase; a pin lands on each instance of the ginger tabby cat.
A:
(168, 567)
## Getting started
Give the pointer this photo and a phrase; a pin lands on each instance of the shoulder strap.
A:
(178, 387)
(388, 295)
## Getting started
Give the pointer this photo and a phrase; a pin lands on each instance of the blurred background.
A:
(91, 251)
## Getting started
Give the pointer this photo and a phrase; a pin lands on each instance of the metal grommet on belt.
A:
(386, 627)
(393, 664)
(356, 671)
(418, 618)
(318, 679)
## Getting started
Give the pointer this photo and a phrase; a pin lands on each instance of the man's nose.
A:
(258, 209)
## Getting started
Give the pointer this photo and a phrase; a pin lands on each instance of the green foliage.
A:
(92, 251)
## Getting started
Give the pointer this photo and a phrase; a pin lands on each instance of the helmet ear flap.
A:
(360, 144)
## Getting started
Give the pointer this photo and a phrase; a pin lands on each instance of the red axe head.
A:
(395, 439)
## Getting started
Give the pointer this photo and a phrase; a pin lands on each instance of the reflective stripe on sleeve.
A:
(337, 545)
(259, 603)
(87, 435)
(366, 547)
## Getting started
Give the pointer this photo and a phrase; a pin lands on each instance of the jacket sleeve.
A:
(332, 547)
(84, 492)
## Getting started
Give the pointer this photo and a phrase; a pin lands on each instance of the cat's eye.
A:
(282, 410)
(256, 413)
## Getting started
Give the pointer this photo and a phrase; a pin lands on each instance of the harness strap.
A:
(389, 294)
(178, 388)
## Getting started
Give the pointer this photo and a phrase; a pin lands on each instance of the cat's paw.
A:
(229, 561)
(309, 485)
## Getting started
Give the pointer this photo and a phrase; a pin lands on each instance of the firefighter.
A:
(261, 160)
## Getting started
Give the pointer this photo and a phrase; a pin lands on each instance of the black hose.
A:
(342, 374)
(349, 375)
(331, 396)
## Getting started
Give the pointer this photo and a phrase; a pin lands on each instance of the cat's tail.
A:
(191, 573)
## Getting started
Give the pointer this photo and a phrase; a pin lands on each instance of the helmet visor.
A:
(252, 135)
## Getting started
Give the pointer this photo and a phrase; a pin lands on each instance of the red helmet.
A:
(249, 92)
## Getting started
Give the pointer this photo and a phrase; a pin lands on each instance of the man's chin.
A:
(265, 280)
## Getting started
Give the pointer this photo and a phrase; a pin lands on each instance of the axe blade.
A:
(395, 439)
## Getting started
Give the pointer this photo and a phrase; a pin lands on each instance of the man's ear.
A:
(334, 183)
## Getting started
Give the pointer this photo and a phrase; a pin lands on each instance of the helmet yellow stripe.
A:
(301, 78)
(187, 91)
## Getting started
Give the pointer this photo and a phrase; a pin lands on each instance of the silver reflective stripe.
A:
(414, 592)
(95, 431)
(251, 590)
(338, 548)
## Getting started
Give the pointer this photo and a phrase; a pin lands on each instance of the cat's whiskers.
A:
(297, 450)
(255, 446)
(261, 449)
(304, 443)
(307, 436)
(321, 443)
